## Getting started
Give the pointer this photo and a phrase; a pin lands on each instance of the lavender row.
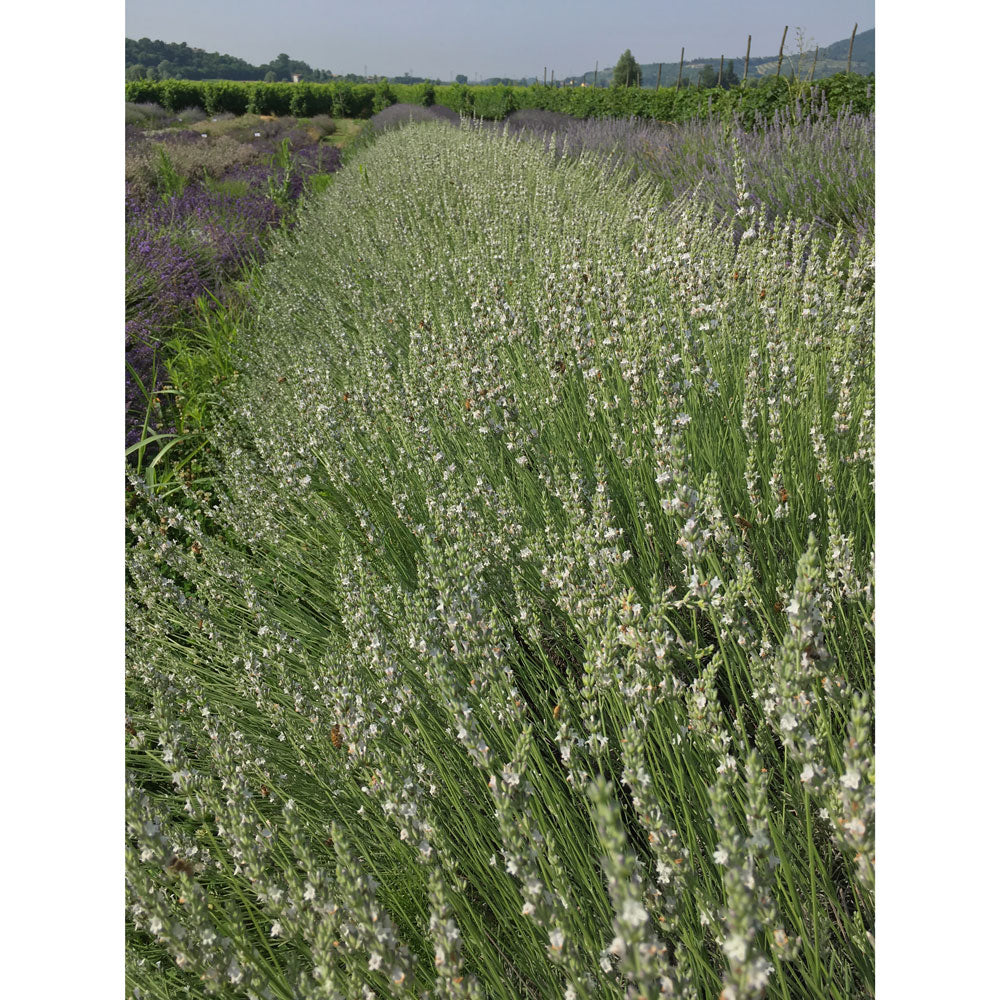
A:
(193, 222)
(804, 161)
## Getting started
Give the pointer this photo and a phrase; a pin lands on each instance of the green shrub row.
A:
(345, 100)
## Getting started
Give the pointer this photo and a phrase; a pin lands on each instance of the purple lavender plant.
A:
(804, 162)
(397, 115)
(197, 243)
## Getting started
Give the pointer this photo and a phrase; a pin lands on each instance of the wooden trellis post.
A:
(719, 81)
(781, 51)
(746, 62)
(595, 72)
(680, 69)
(850, 50)
(658, 72)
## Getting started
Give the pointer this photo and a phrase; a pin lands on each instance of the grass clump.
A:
(522, 646)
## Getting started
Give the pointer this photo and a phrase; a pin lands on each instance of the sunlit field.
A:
(518, 638)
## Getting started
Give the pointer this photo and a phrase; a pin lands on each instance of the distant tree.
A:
(180, 61)
(269, 76)
(627, 72)
(461, 78)
(280, 66)
(709, 76)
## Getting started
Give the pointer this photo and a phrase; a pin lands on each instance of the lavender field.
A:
(802, 161)
(200, 210)
(518, 640)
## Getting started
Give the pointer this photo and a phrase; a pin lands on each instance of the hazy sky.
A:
(516, 38)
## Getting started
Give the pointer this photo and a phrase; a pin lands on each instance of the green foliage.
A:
(340, 99)
(227, 187)
(270, 99)
(279, 189)
(225, 96)
(426, 94)
(257, 99)
(346, 100)
(178, 94)
(199, 361)
(384, 97)
(319, 182)
(847, 90)
(626, 72)
(709, 76)
(170, 59)
(299, 105)
(494, 103)
(169, 181)
(142, 92)
(458, 97)
(309, 100)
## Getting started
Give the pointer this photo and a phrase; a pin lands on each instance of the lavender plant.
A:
(522, 647)
(803, 161)
(198, 212)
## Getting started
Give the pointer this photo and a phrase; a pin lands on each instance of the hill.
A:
(157, 60)
(832, 59)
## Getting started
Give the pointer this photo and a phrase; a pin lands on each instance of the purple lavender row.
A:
(197, 240)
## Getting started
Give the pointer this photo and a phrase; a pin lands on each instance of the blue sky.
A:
(439, 38)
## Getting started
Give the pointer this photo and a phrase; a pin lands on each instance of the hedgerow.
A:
(667, 104)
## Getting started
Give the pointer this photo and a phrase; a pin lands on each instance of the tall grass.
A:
(523, 646)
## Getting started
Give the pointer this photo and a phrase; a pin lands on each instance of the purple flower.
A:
(194, 244)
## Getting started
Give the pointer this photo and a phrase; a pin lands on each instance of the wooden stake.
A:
(813, 70)
(746, 62)
(850, 50)
(595, 72)
(781, 51)
(658, 72)
(719, 82)
(545, 76)
(680, 69)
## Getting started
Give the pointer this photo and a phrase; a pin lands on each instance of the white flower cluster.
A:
(520, 644)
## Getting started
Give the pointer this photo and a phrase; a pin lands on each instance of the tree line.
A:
(152, 59)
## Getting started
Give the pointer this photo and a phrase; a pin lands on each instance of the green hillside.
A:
(832, 60)
(152, 59)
